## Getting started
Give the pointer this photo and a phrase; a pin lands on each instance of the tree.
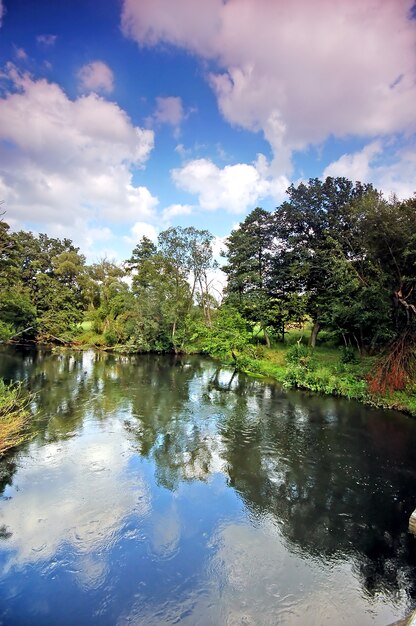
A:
(167, 279)
(314, 226)
(161, 302)
(248, 269)
(190, 251)
(44, 282)
(17, 311)
(145, 249)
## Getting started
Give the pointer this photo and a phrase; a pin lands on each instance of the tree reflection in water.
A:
(336, 478)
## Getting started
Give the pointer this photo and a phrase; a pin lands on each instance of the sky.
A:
(120, 118)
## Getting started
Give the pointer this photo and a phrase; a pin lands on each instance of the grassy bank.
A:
(330, 371)
(14, 416)
(326, 369)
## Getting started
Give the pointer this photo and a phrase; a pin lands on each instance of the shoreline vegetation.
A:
(335, 261)
(324, 369)
(15, 416)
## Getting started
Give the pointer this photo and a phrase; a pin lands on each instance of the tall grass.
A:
(14, 416)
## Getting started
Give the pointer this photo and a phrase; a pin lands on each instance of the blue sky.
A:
(119, 118)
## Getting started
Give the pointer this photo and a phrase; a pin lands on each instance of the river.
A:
(160, 490)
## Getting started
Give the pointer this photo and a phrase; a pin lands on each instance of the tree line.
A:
(47, 289)
(335, 253)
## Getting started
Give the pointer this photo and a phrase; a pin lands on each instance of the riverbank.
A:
(328, 371)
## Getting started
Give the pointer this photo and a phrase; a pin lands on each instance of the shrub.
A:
(6, 331)
(110, 337)
(301, 355)
(348, 355)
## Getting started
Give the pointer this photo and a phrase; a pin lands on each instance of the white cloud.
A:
(187, 23)
(169, 111)
(92, 240)
(96, 76)
(174, 210)
(1, 12)
(46, 40)
(297, 71)
(370, 165)
(234, 188)
(74, 160)
(355, 166)
(182, 151)
(139, 230)
(218, 246)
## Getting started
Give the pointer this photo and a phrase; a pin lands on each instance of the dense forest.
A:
(336, 255)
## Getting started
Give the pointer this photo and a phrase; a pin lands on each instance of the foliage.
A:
(336, 254)
(17, 310)
(6, 331)
(228, 336)
(299, 354)
(348, 355)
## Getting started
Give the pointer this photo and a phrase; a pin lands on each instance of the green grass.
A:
(321, 370)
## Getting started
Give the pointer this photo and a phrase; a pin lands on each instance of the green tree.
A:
(145, 249)
(49, 275)
(17, 311)
(167, 281)
(248, 270)
(190, 252)
(313, 228)
(161, 301)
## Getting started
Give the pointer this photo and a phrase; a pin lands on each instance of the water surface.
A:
(162, 490)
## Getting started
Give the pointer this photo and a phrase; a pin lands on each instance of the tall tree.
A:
(248, 269)
(315, 226)
(190, 251)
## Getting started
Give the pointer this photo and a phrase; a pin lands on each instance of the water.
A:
(161, 490)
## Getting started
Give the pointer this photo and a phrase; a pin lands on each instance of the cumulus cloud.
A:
(182, 151)
(169, 110)
(174, 210)
(73, 161)
(139, 230)
(96, 76)
(369, 165)
(297, 71)
(233, 188)
(355, 166)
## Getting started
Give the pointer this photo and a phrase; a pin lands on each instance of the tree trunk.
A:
(315, 330)
(267, 338)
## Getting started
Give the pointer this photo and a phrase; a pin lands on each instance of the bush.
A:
(348, 355)
(228, 336)
(110, 337)
(301, 355)
(6, 331)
